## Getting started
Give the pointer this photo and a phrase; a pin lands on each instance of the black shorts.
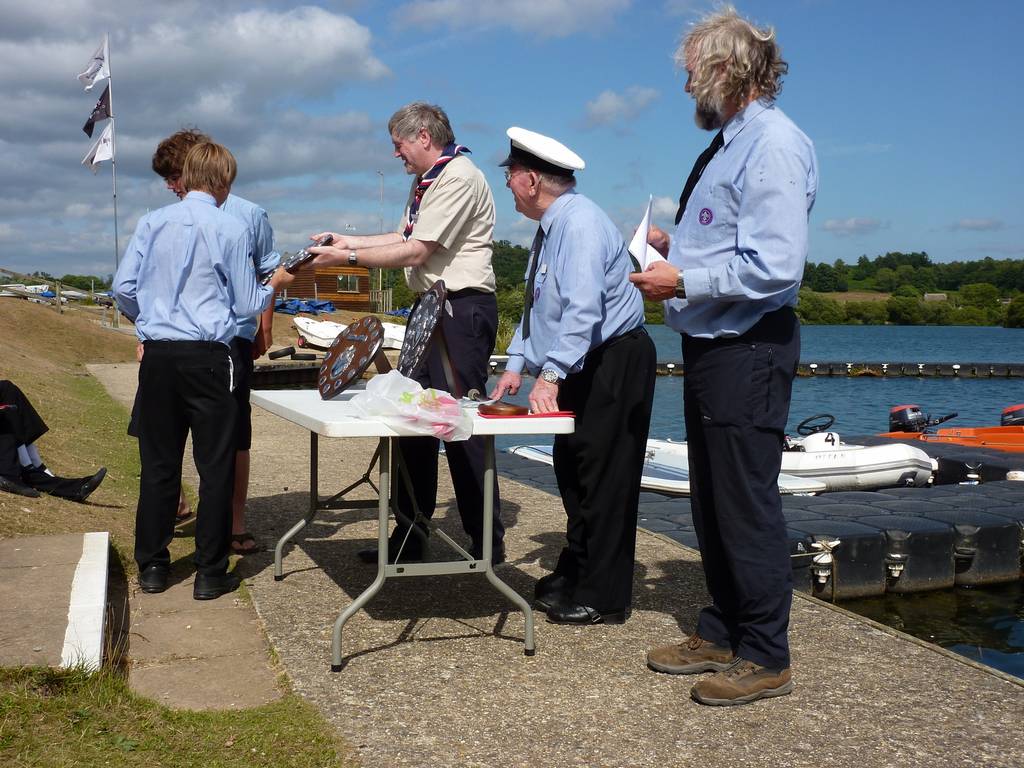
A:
(241, 358)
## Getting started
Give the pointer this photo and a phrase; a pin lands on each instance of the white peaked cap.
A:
(541, 153)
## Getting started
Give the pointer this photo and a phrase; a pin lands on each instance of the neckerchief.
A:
(449, 153)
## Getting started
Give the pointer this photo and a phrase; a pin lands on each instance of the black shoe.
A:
(209, 587)
(551, 590)
(573, 613)
(86, 486)
(72, 489)
(13, 486)
(153, 578)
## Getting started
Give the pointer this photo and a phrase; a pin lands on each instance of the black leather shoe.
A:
(88, 485)
(551, 590)
(211, 587)
(13, 486)
(72, 489)
(573, 613)
(153, 578)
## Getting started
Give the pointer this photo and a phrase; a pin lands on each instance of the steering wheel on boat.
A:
(814, 424)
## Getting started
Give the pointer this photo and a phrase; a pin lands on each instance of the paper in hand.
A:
(642, 253)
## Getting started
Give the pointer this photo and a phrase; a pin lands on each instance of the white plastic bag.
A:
(402, 402)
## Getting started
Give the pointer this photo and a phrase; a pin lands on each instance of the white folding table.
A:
(337, 418)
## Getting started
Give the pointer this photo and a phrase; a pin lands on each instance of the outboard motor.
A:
(907, 418)
(1013, 416)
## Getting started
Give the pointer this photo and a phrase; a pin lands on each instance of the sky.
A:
(914, 107)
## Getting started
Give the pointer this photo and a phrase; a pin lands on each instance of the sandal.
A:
(245, 544)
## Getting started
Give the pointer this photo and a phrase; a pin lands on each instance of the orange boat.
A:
(907, 422)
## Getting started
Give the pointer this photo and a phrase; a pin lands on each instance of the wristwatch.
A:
(352, 261)
(680, 287)
(551, 377)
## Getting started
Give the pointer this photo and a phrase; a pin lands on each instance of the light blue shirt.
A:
(742, 241)
(188, 274)
(265, 256)
(582, 293)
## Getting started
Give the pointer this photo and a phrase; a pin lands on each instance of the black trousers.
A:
(598, 467)
(469, 333)
(19, 425)
(244, 366)
(736, 394)
(185, 385)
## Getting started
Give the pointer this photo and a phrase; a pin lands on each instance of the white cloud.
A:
(853, 226)
(611, 107)
(664, 208)
(977, 225)
(545, 18)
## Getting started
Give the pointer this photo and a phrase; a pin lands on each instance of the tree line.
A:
(914, 273)
(983, 292)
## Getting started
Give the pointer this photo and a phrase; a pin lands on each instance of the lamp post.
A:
(380, 219)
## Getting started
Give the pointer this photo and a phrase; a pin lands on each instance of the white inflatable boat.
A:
(843, 467)
(666, 469)
(322, 333)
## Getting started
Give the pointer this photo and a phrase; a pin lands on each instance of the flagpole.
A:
(113, 145)
(113, 163)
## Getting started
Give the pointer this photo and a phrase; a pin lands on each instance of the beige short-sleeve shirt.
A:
(457, 213)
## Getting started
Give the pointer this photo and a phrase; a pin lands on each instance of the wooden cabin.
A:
(347, 287)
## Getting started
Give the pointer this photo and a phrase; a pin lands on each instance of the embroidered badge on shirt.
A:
(705, 216)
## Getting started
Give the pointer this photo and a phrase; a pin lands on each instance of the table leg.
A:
(383, 509)
(501, 586)
(314, 499)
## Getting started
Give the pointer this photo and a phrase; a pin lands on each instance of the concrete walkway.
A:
(53, 598)
(435, 672)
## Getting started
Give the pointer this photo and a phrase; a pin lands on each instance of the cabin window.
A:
(348, 283)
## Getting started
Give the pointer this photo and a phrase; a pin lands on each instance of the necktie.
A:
(538, 241)
(698, 169)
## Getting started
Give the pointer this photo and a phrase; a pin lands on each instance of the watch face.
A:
(550, 377)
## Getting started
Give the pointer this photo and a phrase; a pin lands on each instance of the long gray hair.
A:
(748, 55)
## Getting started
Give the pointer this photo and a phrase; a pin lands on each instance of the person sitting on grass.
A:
(21, 469)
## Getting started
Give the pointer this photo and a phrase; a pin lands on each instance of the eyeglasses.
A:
(510, 172)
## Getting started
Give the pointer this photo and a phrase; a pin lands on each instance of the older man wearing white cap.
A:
(582, 336)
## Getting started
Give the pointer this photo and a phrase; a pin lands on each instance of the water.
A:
(984, 624)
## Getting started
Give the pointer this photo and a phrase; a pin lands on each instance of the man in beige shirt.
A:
(447, 235)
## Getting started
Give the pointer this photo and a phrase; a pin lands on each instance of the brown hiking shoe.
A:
(693, 656)
(743, 682)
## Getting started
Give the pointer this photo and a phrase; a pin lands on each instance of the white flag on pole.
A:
(97, 69)
(102, 150)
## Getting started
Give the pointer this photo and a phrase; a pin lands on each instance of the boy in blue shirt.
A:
(186, 277)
